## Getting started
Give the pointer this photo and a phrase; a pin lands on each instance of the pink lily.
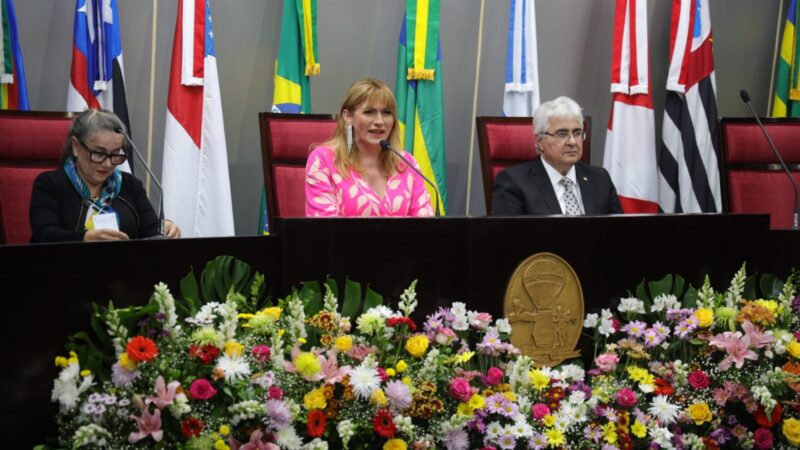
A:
(330, 367)
(757, 338)
(736, 346)
(291, 368)
(257, 444)
(149, 425)
(164, 394)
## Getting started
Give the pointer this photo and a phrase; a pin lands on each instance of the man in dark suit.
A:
(556, 182)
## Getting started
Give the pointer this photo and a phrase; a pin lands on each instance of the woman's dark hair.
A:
(87, 123)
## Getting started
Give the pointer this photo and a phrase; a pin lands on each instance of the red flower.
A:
(192, 426)
(316, 423)
(205, 353)
(768, 422)
(710, 443)
(763, 438)
(663, 387)
(202, 389)
(553, 397)
(141, 349)
(383, 424)
(698, 379)
(395, 321)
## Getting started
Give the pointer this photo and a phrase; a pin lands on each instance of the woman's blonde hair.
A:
(366, 91)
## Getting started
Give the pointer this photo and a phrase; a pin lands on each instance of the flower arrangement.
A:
(711, 370)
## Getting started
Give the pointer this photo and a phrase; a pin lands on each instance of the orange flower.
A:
(141, 349)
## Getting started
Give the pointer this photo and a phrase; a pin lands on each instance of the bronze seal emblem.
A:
(544, 304)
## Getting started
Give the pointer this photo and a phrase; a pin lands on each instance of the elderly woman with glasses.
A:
(556, 182)
(89, 198)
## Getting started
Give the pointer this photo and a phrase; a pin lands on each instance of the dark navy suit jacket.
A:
(525, 189)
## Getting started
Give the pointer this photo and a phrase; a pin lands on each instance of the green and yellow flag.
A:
(787, 82)
(297, 61)
(420, 106)
(13, 89)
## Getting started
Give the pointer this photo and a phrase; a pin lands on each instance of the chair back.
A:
(286, 141)
(508, 141)
(752, 178)
(30, 143)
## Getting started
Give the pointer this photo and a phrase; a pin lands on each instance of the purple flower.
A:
(685, 327)
(537, 442)
(399, 394)
(457, 440)
(635, 328)
(278, 414)
(122, 377)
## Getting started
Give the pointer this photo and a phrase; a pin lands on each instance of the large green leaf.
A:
(663, 286)
(750, 288)
(311, 294)
(770, 285)
(190, 292)
(372, 299)
(352, 299)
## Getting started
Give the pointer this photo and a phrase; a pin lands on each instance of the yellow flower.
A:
(639, 429)
(126, 362)
(794, 349)
(85, 372)
(302, 340)
(512, 397)
(73, 358)
(379, 398)
(233, 349)
(549, 420)
(476, 401)
(315, 399)
(641, 376)
(465, 410)
(224, 430)
(610, 432)
(61, 361)
(406, 381)
(307, 364)
(343, 343)
(281, 332)
(538, 379)
(221, 445)
(791, 429)
(395, 444)
(401, 366)
(700, 413)
(555, 437)
(705, 317)
(417, 345)
(391, 372)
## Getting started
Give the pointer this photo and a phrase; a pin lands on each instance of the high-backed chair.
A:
(752, 179)
(508, 141)
(286, 141)
(30, 143)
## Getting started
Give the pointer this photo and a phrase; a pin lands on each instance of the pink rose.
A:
(275, 393)
(482, 320)
(763, 438)
(444, 336)
(494, 376)
(201, 389)
(460, 389)
(607, 362)
(626, 398)
(261, 353)
(540, 410)
(698, 379)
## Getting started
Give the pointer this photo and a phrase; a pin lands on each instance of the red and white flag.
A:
(630, 151)
(197, 192)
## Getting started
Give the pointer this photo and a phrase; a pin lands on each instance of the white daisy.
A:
(288, 438)
(234, 368)
(520, 428)
(663, 410)
(364, 380)
(662, 437)
(494, 430)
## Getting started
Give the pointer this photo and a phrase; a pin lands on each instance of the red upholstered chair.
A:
(286, 141)
(508, 141)
(752, 179)
(30, 143)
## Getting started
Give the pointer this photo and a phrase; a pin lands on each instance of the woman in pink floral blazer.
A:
(351, 175)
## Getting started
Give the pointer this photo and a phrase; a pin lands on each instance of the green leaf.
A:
(690, 298)
(312, 297)
(333, 286)
(641, 291)
(662, 286)
(770, 285)
(750, 288)
(678, 286)
(190, 292)
(371, 299)
(352, 299)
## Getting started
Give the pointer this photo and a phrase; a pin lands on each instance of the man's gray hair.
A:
(560, 107)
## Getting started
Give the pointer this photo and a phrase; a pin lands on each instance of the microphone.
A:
(796, 215)
(385, 146)
(121, 131)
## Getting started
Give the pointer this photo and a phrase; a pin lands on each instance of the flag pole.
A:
(475, 108)
(152, 92)
(770, 94)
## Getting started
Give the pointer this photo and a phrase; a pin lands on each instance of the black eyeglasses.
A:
(99, 157)
(564, 135)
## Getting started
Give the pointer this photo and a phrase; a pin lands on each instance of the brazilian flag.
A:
(13, 89)
(787, 85)
(420, 106)
(297, 61)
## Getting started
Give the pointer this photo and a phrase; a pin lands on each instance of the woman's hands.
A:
(171, 230)
(105, 234)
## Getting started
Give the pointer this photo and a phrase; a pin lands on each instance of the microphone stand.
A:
(796, 214)
(152, 177)
(385, 146)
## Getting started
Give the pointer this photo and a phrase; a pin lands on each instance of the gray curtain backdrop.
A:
(358, 38)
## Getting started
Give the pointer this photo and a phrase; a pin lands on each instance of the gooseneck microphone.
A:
(796, 215)
(385, 146)
(152, 176)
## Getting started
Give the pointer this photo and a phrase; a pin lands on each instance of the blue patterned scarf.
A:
(108, 193)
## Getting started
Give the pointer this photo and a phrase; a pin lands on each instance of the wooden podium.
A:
(47, 289)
